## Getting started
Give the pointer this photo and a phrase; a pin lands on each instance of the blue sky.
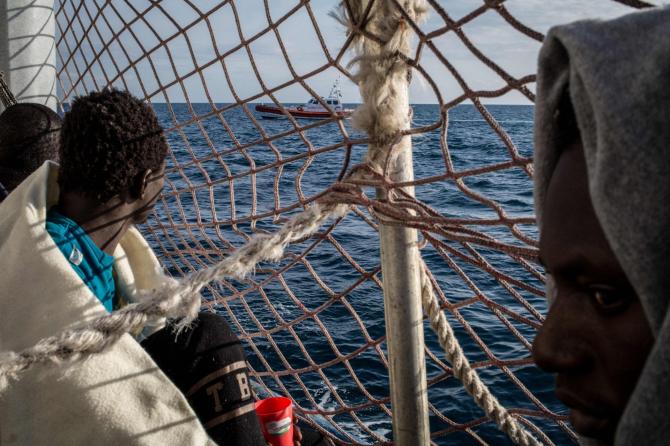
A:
(493, 36)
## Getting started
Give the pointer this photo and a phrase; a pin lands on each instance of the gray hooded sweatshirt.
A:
(617, 73)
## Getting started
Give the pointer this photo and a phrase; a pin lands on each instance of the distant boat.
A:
(312, 109)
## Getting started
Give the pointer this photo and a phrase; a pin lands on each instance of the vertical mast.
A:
(383, 80)
(404, 314)
(28, 50)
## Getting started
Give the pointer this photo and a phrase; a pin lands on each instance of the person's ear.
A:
(141, 183)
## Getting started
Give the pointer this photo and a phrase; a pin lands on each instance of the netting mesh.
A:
(313, 323)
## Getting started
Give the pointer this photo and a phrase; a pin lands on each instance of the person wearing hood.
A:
(602, 182)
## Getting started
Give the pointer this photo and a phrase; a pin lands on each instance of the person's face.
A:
(153, 185)
(596, 337)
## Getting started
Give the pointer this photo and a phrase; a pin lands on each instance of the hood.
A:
(616, 74)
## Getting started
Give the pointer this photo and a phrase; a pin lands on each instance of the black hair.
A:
(108, 139)
(29, 135)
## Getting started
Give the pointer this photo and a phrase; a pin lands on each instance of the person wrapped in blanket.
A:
(112, 162)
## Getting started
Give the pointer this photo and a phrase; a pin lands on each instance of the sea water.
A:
(263, 305)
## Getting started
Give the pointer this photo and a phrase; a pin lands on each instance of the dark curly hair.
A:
(108, 138)
(29, 135)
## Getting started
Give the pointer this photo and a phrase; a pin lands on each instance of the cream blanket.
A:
(119, 397)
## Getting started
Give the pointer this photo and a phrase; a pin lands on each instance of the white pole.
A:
(404, 319)
(400, 259)
(383, 80)
(28, 50)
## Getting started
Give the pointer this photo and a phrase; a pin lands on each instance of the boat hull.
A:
(269, 112)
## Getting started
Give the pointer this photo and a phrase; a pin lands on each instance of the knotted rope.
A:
(383, 76)
(464, 371)
(178, 301)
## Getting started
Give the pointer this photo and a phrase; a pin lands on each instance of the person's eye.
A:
(607, 299)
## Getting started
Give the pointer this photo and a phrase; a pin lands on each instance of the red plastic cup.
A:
(276, 417)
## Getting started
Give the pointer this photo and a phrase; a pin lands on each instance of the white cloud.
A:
(513, 51)
(499, 41)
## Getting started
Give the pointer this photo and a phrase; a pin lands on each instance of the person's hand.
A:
(297, 435)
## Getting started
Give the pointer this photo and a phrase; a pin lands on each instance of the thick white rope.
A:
(383, 77)
(464, 371)
(180, 300)
(382, 73)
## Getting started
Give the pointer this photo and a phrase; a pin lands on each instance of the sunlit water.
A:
(472, 143)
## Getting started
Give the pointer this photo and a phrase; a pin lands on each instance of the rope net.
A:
(313, 322)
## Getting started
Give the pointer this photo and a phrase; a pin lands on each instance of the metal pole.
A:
(28, 49)
(403, 312)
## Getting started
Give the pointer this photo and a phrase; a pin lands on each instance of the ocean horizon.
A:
(222, 218)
